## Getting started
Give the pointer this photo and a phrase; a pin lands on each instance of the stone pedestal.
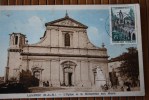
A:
(100, 79)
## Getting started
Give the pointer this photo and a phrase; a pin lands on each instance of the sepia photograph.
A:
(84, 50)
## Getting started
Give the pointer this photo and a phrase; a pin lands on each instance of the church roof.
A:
(66, 22)
(18, 34)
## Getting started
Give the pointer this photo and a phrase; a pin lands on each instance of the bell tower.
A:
(17, 40)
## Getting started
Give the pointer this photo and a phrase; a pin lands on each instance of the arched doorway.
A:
(37, 73)
(133, 36)
(68, 73)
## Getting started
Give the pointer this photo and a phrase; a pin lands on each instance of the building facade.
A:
(64, 56)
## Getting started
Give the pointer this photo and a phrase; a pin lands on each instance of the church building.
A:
(64, 56)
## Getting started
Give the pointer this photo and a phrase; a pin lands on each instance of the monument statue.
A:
(100, 79)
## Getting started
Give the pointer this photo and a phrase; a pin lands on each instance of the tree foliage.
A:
(131, 13)
(28, 79)
(130, 65)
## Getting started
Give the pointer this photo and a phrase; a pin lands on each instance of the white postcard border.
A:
(83, 94)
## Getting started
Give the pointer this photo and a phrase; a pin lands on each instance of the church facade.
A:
(64, 56)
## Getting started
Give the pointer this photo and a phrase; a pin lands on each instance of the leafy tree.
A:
(112, 14)
(131, 13)
(114, 17)
(130, 65)
(28, 79)
(13, 79)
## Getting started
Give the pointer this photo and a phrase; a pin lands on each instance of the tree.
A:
(28, 79)
(130, 65)
(132, 17)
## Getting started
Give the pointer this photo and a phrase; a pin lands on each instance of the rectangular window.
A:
(67, 39)
(16, 40)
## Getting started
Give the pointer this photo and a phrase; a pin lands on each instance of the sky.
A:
(32, 24)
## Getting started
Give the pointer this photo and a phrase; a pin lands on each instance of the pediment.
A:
(66, 21)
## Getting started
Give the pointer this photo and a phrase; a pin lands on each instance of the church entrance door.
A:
(37, 72)
(70, 79)
(68, 73)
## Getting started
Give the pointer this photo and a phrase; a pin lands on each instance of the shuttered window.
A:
(67, 39)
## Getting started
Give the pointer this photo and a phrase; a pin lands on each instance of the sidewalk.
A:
(75, 89)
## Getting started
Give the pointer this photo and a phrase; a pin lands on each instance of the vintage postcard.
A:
(70, 51)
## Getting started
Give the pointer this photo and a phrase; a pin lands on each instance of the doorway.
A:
(68, 73)
(69, 79)
(133, 37)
